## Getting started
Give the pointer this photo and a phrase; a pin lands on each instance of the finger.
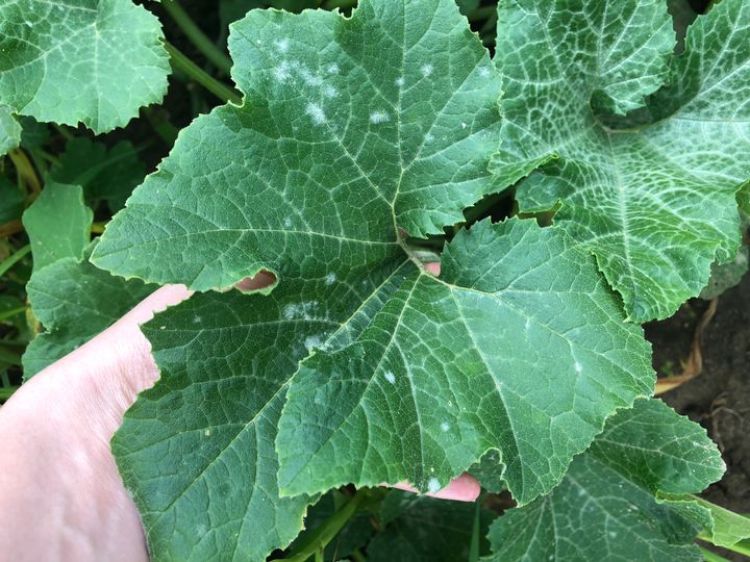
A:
(465, 488)
(261, 280)
(433, 268)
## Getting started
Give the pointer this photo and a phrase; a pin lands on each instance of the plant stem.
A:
(184, 64)
(220, 60)
(25, 170)
(162, 126)
(14, 258)
(474, 545)
(12, 312)
(741, 547)
(47, 156)
(97, 227)
(709, 556)
(7, 392)
(10, 228)
(318, 540)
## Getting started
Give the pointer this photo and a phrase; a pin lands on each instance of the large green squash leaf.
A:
(606, 507)
(90, 61)
(354, 131)
(517, 347)
(656, 204)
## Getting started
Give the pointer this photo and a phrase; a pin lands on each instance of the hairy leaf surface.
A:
(606, 506)
(656, 204)
(353, 132)
(90, 61)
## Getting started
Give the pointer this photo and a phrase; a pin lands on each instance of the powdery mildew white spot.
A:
(578, 367)
(316, 113)
(484, 72)
(309, 78)
(400, 81)
(445, 426)
(282, 45)
(313, 342)
(332, 68)
(426, 69)
(302, 311)
(390, 377)
(433, 485)
(288, 222)
(281, 72)
(329, 91)
(330, 278)
(377, 117)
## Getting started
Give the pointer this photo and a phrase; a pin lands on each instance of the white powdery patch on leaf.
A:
(377, 117)
(316, 113)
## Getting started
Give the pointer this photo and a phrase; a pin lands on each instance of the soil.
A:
(718, 398)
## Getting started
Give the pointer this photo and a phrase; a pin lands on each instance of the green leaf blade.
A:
(58, 224)
(606, 506)
(403, 394)
(75, 301)
(655, 205)
(96, 62)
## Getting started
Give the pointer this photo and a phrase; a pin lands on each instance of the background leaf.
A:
(106, 174)
(656, 204)
(605, 508)
(58, 224)
(75, 301)
(95, 62)
(420, 528)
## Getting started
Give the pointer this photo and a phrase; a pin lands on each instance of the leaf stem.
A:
(709, 556)
(184, 64)
(14, 258)
(220, 60)
(740, 547)
(318, 540)
(10, 228)
(162, 126)
(25, 170)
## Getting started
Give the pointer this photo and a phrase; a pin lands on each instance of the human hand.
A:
(63, 498)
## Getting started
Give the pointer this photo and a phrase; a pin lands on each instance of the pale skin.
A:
(61, 496)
